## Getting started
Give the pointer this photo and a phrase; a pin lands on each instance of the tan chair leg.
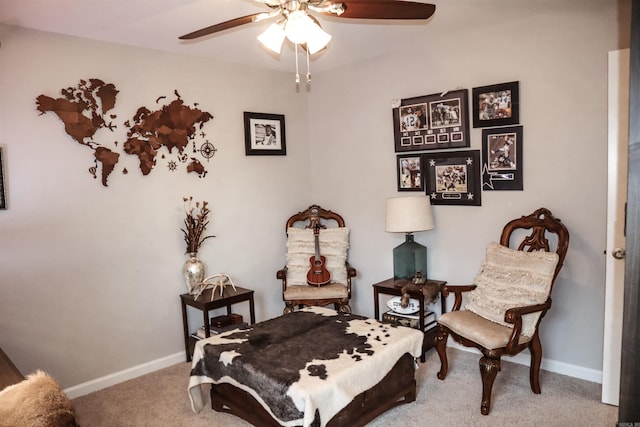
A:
(488, 370)
(535, 348)
(441, 348)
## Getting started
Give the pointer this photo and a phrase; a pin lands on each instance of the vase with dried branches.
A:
(195, 224)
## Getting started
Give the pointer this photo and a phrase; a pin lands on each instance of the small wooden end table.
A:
(205, 303)
(388, 287)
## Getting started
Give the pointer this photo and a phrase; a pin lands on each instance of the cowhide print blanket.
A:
(302, 367)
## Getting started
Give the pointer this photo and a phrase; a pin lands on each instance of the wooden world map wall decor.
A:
(172, 132)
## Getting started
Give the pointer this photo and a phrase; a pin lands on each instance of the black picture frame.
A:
(432, 122)
(453, 178)
(410, 176)
(502, 158)
(496, 105)
(3, 196)
(264, 134)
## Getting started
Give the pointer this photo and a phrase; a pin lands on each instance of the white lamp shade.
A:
(408, 214)
(273, 37)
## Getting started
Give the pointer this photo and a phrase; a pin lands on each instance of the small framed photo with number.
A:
(410, 173)
(264, 134)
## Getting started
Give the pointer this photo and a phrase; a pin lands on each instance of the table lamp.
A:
(408, 215)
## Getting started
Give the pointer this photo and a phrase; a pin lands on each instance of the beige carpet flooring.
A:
(161, 399)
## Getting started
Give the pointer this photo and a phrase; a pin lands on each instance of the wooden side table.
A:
(205, 303)
(388, 287)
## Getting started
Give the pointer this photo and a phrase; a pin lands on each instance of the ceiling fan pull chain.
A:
(308, 67)
(297, 71)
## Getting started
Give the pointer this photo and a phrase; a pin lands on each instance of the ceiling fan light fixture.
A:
(298, 26)
(318, 39)
(273, 37)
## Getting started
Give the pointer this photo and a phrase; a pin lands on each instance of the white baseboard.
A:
(127, 374)
(164, 362)
(562, 368)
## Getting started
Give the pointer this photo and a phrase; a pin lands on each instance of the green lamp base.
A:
(409, 258)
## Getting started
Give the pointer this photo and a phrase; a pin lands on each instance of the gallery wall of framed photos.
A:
(429, 130)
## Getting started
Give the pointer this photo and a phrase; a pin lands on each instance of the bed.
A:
(314, 367)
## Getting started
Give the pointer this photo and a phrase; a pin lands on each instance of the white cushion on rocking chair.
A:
(334, 243)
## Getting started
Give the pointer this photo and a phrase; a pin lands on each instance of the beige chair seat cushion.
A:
(488, 334)
(334, 244)
(300, 292)
(509, 278)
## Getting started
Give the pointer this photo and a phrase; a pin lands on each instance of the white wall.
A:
(90, 276)
(558, 52)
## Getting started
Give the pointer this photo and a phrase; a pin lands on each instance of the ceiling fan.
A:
(295, 20)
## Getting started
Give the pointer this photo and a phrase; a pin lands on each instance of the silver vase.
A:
(193, 272)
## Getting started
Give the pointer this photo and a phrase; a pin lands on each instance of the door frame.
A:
(618, 146)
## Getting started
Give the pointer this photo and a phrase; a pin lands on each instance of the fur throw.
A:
(38, 401)
(430, 291)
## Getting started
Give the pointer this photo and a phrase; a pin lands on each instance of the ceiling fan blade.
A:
(385, 9)
(222, 26)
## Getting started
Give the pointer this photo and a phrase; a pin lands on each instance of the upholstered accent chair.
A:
(509, 297)
(333, 239)
(36, 400)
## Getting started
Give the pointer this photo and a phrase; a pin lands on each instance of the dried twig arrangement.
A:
(195, 223)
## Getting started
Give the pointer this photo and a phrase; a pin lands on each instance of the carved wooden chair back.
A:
(298, 295)
(543, 225)
(314, 215)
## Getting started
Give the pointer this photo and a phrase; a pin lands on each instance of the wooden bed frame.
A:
(396, 388)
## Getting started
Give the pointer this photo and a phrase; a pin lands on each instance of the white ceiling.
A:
(157, 24)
